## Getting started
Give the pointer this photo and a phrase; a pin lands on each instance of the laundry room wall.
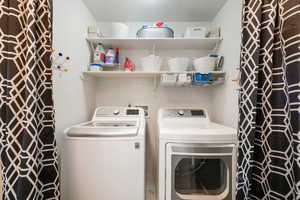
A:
(73, 98)
(225, 97)
(76, 98)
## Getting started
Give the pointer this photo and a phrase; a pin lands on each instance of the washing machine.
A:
(197, 157)
(105, 158)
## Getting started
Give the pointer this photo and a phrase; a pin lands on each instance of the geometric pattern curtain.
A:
(29, 159)
(269, 125)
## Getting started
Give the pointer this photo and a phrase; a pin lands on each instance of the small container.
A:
(94, 67)
(199, 77)
(168, 79)
(184, 80)
(195, 32)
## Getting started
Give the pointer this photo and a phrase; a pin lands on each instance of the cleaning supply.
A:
(110, 56)
(99, 54)
(117, 56)
(129, 65)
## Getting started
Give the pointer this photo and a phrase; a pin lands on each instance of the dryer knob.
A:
(180, 112)
(116, 112)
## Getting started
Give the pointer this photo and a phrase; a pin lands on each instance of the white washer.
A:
(105, 158)
(197, 158)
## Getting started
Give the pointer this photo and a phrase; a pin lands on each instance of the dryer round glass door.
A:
(195, 172)
(199, 176)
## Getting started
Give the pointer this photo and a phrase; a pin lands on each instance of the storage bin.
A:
(151, 63)
(204, 64)
(178, 64)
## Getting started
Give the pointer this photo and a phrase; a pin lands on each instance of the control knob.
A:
(116, 112)
(180, 112)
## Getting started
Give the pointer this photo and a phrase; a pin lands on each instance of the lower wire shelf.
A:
(216, 77)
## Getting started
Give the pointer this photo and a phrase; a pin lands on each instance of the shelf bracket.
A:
(153, 48)
(82, 77)
(156, 82)
(216, 48)
(91, 46)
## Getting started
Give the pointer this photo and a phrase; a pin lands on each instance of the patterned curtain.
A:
(269, 134)
(29, 159)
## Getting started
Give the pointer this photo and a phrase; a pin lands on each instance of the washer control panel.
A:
(117, 112)
(184, 113)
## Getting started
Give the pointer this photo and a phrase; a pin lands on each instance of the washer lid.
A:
(105, 129)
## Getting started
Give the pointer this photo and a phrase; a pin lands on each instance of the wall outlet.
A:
(146, 109)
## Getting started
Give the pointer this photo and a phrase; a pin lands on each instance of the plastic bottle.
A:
(110, 56)
(99, 54)
(117, 56)
(129, 65)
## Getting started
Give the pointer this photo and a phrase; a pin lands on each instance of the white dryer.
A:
(105, 158)
(197, 158)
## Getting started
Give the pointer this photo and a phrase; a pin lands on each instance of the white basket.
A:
(204, 64)
(151, 63)
(178, 64)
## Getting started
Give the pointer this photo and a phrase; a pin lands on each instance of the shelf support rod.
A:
(156, 82)
(216, 48)
(153, 48)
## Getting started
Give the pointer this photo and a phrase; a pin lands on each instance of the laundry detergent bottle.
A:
(110, 56)
(99, 55)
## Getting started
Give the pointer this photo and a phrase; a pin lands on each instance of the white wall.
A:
(73, 98)
(225, 97)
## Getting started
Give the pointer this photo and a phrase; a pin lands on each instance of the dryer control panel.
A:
(184, 113)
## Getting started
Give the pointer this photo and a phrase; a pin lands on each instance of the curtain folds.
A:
(29, 158)
(269, 137)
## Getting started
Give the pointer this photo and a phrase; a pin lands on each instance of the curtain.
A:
(269, 137)
(29, 158)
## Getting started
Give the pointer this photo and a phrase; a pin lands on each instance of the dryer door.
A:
(199, 172)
